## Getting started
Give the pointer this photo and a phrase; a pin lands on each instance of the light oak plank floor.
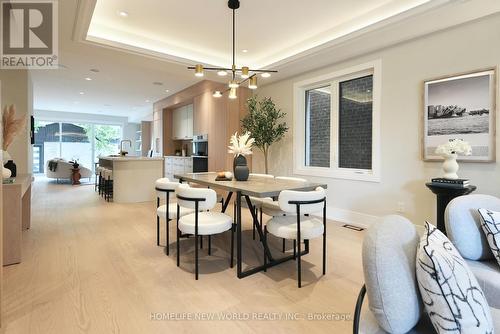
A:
(93, 267)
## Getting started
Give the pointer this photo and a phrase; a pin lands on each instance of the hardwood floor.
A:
(93, 267)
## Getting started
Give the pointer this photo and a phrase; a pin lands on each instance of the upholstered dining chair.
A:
(294, 225)
(202, 221)
(168, 211)
(270, 207)
(256, 202)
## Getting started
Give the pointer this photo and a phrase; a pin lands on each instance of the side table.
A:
(444, 194)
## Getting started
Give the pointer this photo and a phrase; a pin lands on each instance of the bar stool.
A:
(108, 184)
(167, 211)
(100, 177)
(96, 175)
(201, 223)
(298, 227)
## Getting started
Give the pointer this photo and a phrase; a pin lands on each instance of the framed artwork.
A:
(461, 107)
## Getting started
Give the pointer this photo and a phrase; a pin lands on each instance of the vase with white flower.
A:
(450, 152)
(240, 147)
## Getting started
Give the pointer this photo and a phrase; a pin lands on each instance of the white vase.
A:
(5, 172)
(450, 167)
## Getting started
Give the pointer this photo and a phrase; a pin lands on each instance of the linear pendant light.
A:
(245, 72)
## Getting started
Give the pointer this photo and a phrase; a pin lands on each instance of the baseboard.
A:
(351, 217)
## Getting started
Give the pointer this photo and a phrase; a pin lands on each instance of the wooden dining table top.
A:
(255, 186)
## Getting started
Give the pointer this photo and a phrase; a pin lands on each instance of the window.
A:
(337, 124)
(73, 141)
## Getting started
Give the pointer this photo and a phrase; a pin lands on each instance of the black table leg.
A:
(238, 234)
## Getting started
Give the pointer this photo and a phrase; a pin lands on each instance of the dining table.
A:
(257, 187)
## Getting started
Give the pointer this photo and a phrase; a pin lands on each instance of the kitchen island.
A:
(133, 177)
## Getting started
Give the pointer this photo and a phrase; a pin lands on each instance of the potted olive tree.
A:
(264, 122)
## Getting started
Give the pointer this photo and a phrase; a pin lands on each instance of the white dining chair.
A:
(256, 201)
(168, 211)
(201, 223)
(270, 207)
(296, 226)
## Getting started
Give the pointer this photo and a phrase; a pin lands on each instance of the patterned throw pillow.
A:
(451, 295)
(490, 223)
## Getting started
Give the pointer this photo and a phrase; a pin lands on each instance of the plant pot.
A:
(450, 167)
(12, 167)
(240, 168)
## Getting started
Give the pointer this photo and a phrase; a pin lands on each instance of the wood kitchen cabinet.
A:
(182, 122)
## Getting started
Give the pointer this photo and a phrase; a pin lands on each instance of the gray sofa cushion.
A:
(389, 251)
(463, 225)
(452, 296)
(487, 274)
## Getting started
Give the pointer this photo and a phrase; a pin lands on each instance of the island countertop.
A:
(131, 158)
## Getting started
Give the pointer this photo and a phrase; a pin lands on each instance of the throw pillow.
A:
(490, 223)
(451, 294)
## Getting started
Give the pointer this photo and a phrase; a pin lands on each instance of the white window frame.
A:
(299, 129)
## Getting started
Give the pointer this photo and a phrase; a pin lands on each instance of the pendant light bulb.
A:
(252, 84)
(244, 72)
(232, 94)
(233, 84)
(198, 70)
(217, 93)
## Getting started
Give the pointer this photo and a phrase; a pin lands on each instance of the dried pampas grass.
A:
(11, 125)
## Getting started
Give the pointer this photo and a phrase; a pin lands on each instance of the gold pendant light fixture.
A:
(245, 72)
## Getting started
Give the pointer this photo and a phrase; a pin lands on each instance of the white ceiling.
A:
(200, 30)
(159, 37)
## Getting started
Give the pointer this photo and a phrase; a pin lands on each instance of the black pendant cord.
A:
(234, 39)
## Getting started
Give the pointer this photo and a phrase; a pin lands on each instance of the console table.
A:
(16, 216)
(444, 195)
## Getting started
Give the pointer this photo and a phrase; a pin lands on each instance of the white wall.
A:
(16, 89)
(403, 173)
(62, 116)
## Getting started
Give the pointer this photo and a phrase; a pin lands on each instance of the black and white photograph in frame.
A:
(461, 107)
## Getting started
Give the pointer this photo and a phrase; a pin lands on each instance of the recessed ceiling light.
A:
(95, 70)
(123, 13)
(244, 50)
(147, 101)
(81, 93)
(265, 75)
(167, 90)
(88, 79)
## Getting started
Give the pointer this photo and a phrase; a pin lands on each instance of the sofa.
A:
(389, 265)
(61, 169)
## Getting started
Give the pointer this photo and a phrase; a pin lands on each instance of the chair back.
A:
(463, 225)
(204, 198)
(289, 178)
(267, 176)
(310, 201)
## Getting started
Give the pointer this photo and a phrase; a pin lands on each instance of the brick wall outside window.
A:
(318, 114)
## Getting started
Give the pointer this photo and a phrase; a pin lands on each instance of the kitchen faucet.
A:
(122, 152)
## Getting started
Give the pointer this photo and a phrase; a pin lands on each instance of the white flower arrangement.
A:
(455, 146)
(241, 145)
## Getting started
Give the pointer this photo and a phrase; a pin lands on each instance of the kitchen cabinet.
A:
(177, 165)
(182, 122)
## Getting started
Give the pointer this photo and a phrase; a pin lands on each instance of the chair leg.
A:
(232, 245)
(299, 271)
(283, 247)
(265, 242)
(178, 244)
(157, 231)
(196, 256)
(201, 242)
(253, 227)
(167, 244)
(209, 245)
